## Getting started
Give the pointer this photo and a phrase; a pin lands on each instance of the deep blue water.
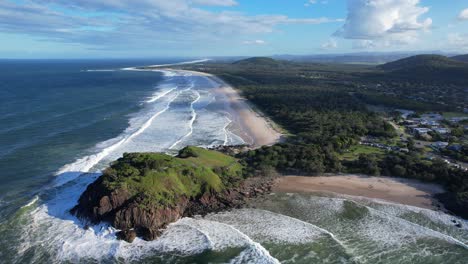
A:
(51, 112)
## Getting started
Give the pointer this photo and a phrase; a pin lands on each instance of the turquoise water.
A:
(61, 122)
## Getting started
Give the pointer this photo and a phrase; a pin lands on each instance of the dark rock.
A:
(127, 235)
(127, 213)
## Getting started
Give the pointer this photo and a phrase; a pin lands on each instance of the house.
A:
(456, 147)
(433, 123)
(439, 145)
(442, 130)
(432, 116)
(405, 113)
(421, 130)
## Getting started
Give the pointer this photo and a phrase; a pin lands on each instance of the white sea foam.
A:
(192, 120)
(181, 63)
(159, 95)
(266, 226)
(71, 171)
(68, 241)
(32, 202)
(102, 70)
(166, 65)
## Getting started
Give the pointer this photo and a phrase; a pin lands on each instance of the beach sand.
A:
(251, 125)
(396, 190)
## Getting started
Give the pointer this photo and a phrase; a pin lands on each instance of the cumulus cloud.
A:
(384, 21)
(463, 14)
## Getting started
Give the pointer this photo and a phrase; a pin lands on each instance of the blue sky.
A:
(199, 28)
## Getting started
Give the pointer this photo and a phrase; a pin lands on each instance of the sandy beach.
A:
(396, 190)
(251, 125)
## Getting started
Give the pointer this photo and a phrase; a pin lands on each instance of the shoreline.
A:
(394, 190)
(255, 128)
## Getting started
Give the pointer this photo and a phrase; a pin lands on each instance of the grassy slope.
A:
(163, 179)
(355, 151)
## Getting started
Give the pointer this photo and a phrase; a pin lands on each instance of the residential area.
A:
(435, 135)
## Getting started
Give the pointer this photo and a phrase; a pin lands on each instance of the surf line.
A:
(90, 161)
(436, 233)
(159, 96)
(225, 130)
(324, 231)
(246, 240)
(253, 245)
(192, 120)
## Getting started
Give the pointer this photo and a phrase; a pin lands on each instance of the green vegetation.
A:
(161, 179)
(422, 62)
(354, 152)
(324, 107)
(462, 58)
(454, 114)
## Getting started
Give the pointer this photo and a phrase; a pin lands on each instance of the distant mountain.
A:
(259, 61)
(435, 67)
(462, 58)
(354, 58)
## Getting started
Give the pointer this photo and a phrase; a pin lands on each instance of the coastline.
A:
(255, 128)
(395, 190)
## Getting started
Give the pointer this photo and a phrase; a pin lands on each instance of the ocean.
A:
(62, 122)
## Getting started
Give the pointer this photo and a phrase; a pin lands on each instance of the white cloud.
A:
(385, 21)
(138, 23)
(458, 42)
(330, 44)
(310, 2)
(254, 42)
(216, 2)
(463, 14)
(313, 2)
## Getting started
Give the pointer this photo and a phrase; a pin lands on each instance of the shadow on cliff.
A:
(60, 199)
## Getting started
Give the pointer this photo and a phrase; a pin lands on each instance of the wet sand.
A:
(396, 190)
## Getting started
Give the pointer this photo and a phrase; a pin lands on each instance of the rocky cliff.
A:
(142, 193)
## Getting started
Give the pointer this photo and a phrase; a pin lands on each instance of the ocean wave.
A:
(85, 164)
(99, 70)
(192, 120)
(159, 95)
(135, 68)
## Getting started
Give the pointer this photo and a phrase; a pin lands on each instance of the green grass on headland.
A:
(161, 179)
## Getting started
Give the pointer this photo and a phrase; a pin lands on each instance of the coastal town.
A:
(435, 135)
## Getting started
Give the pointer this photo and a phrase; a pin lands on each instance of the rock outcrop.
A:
(141, 211)
(125, 213)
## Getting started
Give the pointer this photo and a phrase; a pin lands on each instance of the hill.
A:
(428, 67)
(259, 62)
(427, 62)
(141, 193)
(462, 58)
